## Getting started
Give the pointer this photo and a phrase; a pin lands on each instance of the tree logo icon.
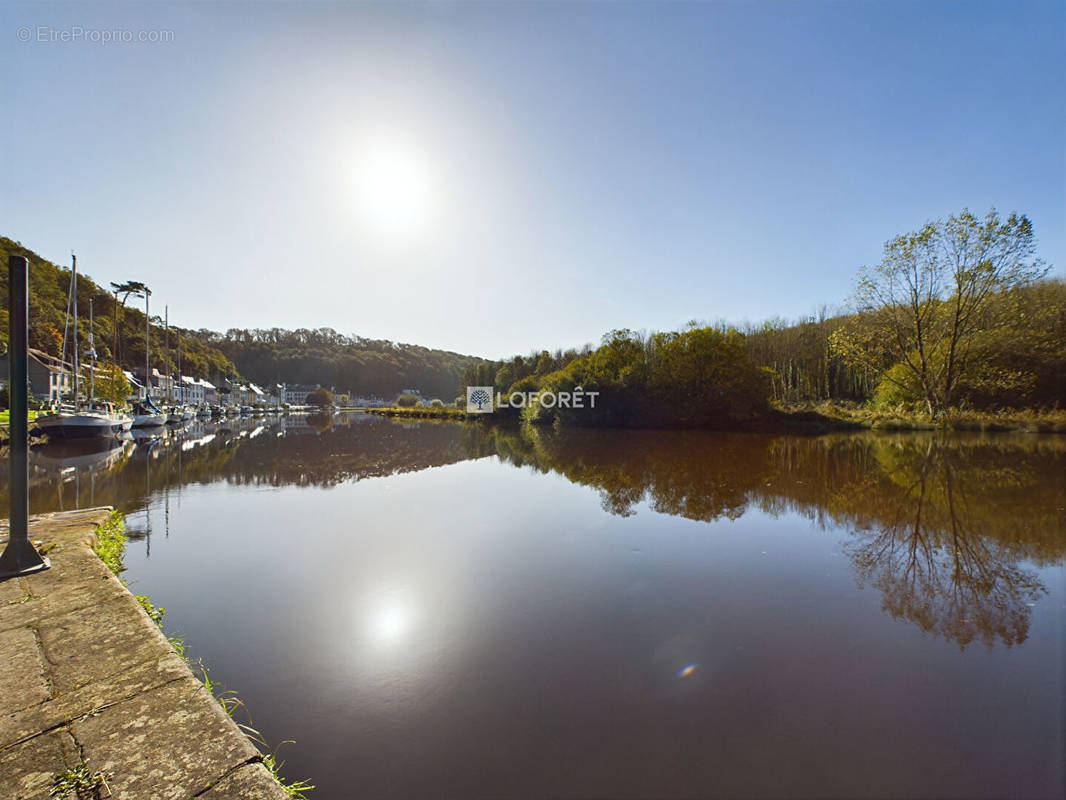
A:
(479, 400)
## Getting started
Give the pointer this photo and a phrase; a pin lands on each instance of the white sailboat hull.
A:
(149, 420)
(85, 425)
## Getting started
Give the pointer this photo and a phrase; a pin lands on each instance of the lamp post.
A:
(19, 557)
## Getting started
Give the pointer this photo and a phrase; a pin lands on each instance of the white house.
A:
(210, 392)
(135, 385)
(254, 395)
(191, 391)
(296, 394)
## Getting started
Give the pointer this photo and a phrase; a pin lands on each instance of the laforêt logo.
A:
(483, 400)
(478, 399)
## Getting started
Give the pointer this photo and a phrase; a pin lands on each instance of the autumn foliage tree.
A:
(925, 307)
(111, 384)
(320, 397)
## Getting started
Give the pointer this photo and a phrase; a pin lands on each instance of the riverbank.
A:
(425, 412)
(5, 423)
(5, 416)
(836, 416)
(822, 418)
(92, 692)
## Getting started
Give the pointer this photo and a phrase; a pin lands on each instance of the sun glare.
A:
(394, 190)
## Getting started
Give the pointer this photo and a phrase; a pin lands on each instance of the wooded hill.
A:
(48, 290)
(350, 363)
(368, 366)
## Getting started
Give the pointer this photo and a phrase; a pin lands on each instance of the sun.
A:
(394, 190)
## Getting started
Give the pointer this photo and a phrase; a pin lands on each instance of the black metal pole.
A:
(20, 557)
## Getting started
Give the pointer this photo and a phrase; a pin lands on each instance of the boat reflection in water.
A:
(78, 462)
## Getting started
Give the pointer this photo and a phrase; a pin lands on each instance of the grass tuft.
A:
(111, 542)
(78, 782)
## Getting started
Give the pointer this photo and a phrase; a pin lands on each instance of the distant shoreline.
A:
(820, 418)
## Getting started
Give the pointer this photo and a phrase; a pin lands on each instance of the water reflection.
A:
(942, 526)
(949, 530)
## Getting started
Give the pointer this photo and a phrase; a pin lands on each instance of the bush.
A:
(697, 378)
(437, 404)
(320, 397)
(407, 400)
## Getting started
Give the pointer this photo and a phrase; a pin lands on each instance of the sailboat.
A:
(146, 415)
(145, 412)
(71, 420)
(175, 413)
(187, 411)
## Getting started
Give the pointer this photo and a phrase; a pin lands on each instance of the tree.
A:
(135, 288)
(111, 384)
(320, 397)
(407, 400)
(924, 304)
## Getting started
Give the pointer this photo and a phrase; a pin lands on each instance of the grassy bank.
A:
(110, 547)
(5, 416)
(425, 412)
(837, 416)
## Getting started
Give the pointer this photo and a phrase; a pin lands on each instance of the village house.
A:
(191, 391)
(296, 394)
(50, 378)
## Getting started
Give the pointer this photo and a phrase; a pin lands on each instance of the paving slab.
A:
(246, 783)
(89, 699)
(27, 770)
(149, 730)
(22, 679)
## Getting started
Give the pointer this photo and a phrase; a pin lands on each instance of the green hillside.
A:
(350, 363)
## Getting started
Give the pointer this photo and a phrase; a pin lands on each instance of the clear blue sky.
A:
(545, 172)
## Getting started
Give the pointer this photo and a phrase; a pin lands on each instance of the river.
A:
(457, 610)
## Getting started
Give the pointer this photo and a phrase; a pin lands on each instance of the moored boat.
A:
(68, 422)
(73, 420)
(146, 415)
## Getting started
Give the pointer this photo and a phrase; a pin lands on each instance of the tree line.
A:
(958, 315)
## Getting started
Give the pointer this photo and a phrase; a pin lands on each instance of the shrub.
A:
(320, 397)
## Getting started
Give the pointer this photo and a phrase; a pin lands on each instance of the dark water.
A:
(443, 610)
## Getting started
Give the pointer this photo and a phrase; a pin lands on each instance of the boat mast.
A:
(147, 332)
(181, 386)
(74, 284)
(92, 358)
(166, 347)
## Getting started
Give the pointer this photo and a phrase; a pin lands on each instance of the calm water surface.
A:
(460, 611)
